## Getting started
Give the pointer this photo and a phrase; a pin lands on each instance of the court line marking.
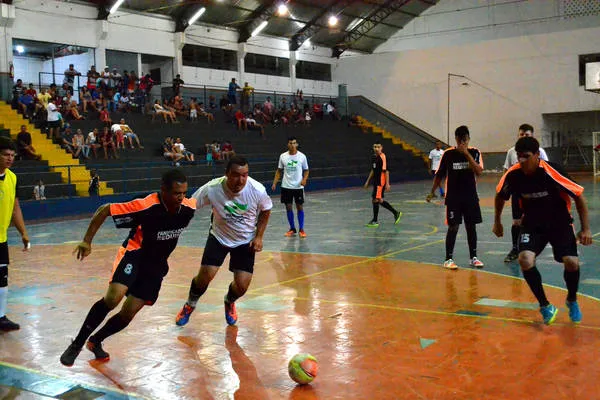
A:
(367, 259)
(75, 383)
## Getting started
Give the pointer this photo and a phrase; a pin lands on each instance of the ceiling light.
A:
(20, 49)
(259, 28)
(333, 20)
(116, 6)
(196, 16)
(282, 9)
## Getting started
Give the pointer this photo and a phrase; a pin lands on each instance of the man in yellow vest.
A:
(9, 210)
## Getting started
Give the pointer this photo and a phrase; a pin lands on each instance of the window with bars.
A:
(584, 59)
(313, 71)
(266, 65)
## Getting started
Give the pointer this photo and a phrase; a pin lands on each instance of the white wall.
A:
(27, 69)
(81, 63)
(521, 78)
(74, 23)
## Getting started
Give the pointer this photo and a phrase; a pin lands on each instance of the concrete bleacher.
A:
(333, 149)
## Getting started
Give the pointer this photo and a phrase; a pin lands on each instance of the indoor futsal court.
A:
(374, 306)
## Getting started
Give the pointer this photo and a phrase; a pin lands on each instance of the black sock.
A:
(534, 280)
(572, 281)
(388, 206)
(95, 316)
(471, 239)
(450, 241)
(375, 211)
(514, 232)
(232, 295)
(115, 324)
(195, 293)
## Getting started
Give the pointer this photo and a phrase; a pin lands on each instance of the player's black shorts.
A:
(561, 238)
(241, 257)
(517, 212)
(467, 210)
(290, 195)
(142, 280)
(4, 253)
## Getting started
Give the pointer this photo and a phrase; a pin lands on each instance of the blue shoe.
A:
(230, 313)
(574, 311)
(184, 315)
(549, 313)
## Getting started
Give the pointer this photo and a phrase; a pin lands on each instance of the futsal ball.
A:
(303, 368)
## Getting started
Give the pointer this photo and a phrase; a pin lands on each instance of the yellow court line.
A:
(437, 312)
(368, 259)
(110, 389)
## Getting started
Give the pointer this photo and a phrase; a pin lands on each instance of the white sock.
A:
(3, 300)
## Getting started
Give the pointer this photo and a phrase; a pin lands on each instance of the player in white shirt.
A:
(294, 168)
(240, 212)
(435, 156)
(512, 159)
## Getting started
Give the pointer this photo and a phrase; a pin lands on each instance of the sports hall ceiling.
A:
(362, 25)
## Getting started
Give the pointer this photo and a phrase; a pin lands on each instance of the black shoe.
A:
(512, 256)
(98, 351)
(7, 325)
(68, 357)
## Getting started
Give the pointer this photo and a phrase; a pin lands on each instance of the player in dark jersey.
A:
(545, 194)
(381, 183)
(460, 165)
(156, 222)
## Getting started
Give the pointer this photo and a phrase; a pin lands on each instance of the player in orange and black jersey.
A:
(156, 222)
(545, 193)
(460, 166)
(381, 183)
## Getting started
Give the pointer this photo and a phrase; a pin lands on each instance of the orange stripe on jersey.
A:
(118, 258)
(135, 205)
(383, 162)
(191, 203)
(562, 180)
(136, 241)
(501, 183)
(382, 179)
(379, 192)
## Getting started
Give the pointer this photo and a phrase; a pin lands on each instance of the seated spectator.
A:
(252, 125)
(241, 120)
(31, 90)
(118, 135)
(26, 104)
(212, 104)
(107, 141)
(318, 111)
(43, 98)
(227, 150)
(209, 154)
(86, 100)
(92, 141)
(307, 118)
(179, 147)
(25, 150)
(17, 91)
(215, 150)
(39, 190)
(127, 132)
(268, 108)
(169, 152)
(223, 102)
(66, 140)
(105, 117)
(261, 115)
(162, 112)
(178, 106)
(79, 146)
(203, 113)
(71, 110)
(125, 103)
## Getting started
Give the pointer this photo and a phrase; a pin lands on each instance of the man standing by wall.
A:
(294, 168)
(435, 157)
(9, 210)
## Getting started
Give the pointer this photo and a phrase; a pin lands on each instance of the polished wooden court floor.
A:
(374, 306)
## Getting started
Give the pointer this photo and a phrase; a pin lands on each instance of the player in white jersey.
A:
(525, 130)
(435, 156)
(294, 168)
(240, 212)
